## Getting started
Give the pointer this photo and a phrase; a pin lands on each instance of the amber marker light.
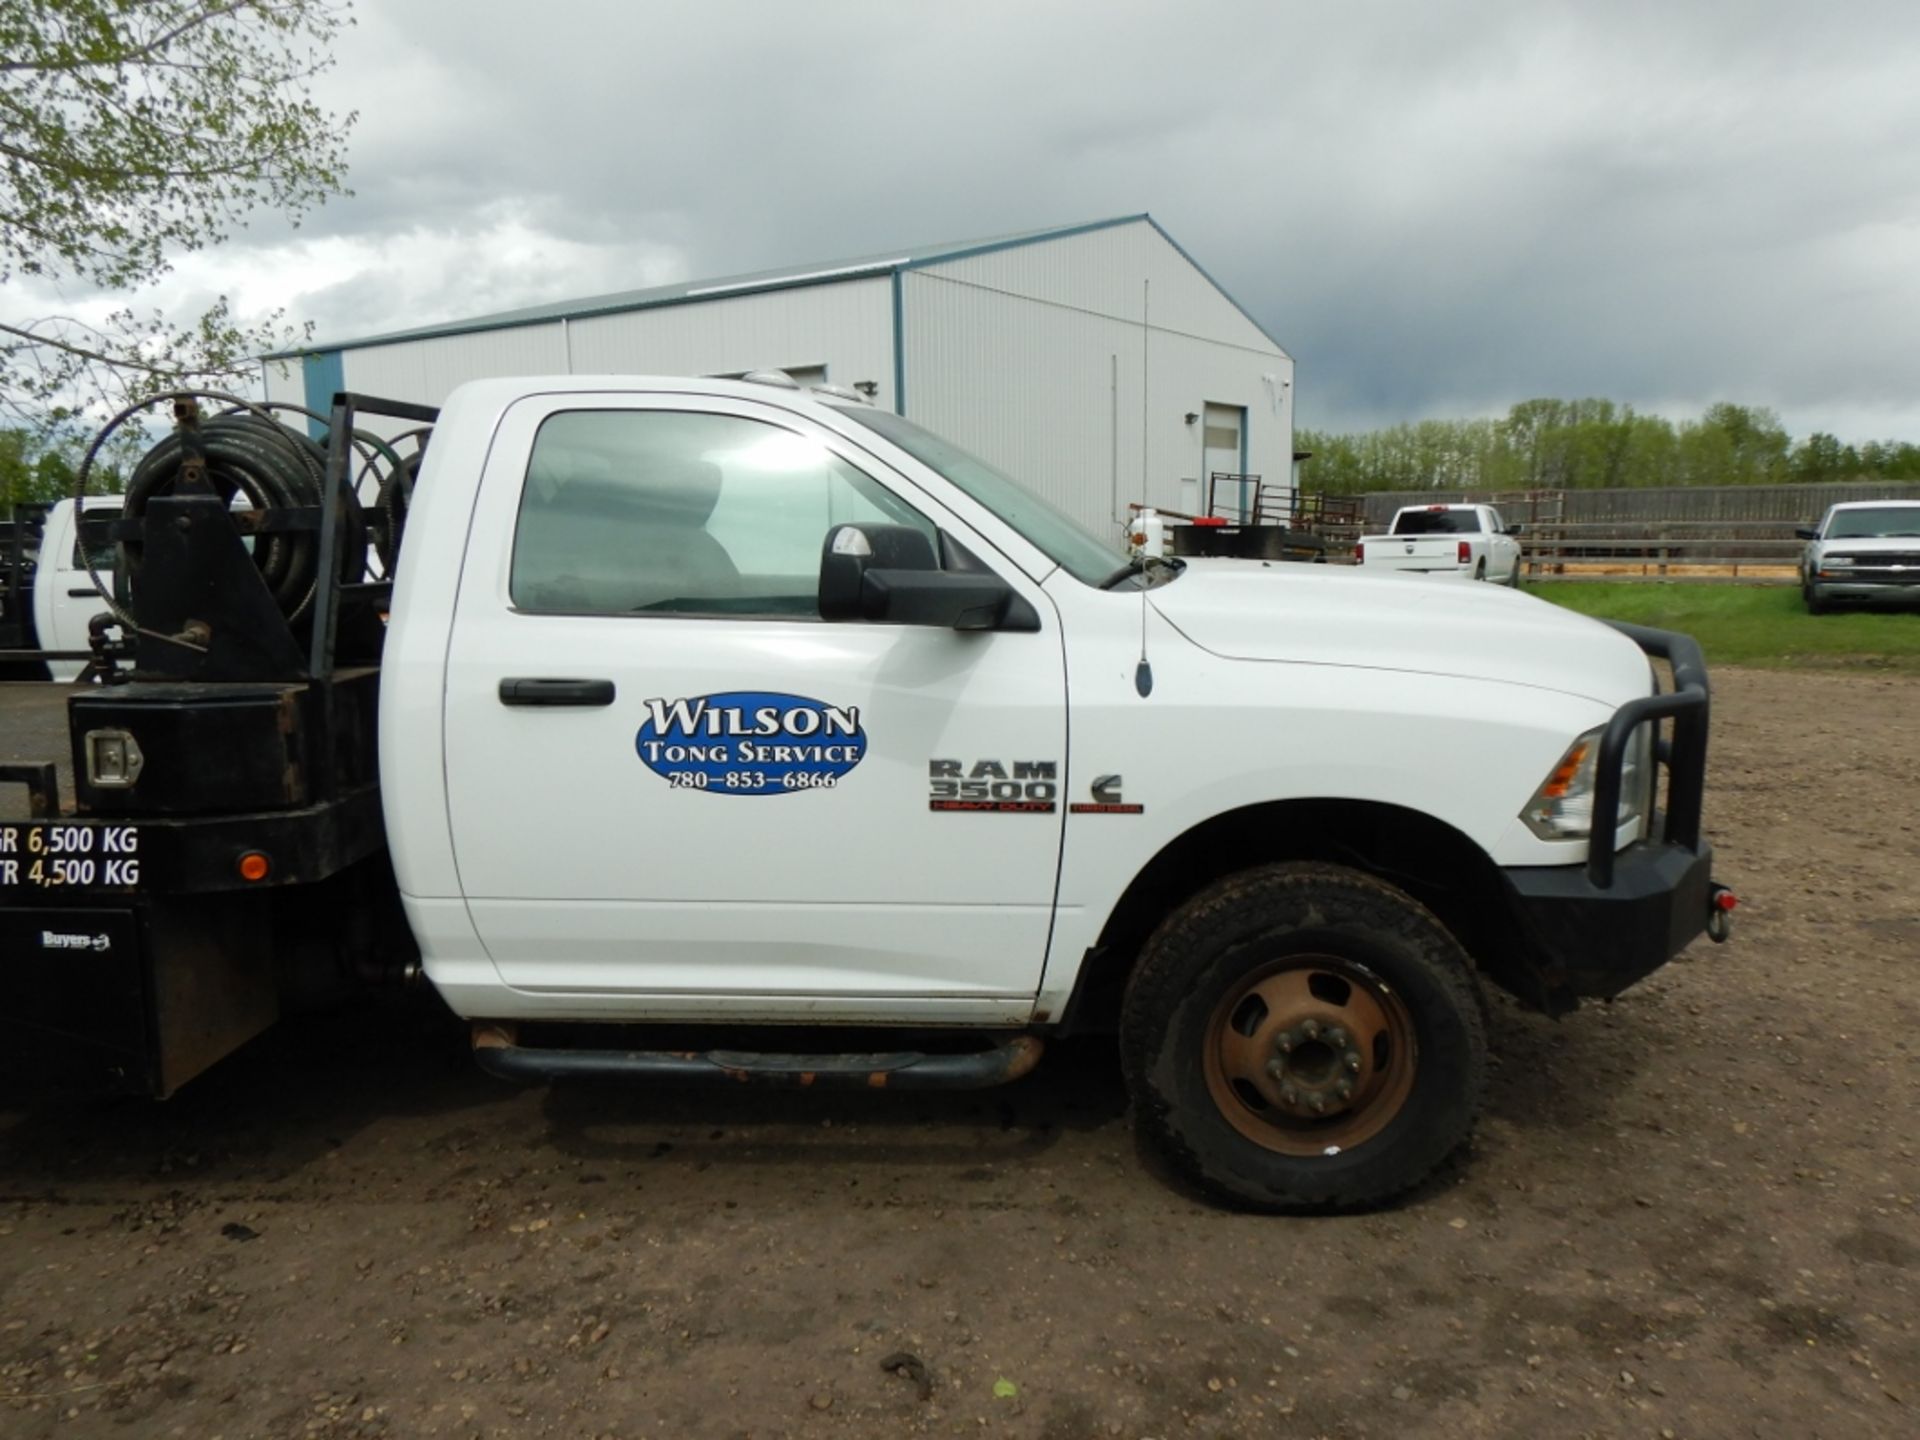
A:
(254, 866)
(1561, 781)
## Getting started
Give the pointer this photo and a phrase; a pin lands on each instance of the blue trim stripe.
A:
(1065, 232)
(899, 347)
(325, 375)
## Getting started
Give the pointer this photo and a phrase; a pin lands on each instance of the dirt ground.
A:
(1691, 1214)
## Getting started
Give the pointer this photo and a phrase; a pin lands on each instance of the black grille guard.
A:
(1685, 756)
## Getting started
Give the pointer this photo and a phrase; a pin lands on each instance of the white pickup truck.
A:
(65, 595)
(1470, 542)
(728, 705)
(47, 596)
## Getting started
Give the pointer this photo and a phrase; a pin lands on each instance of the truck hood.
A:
(1873, 545)
(1326, 615)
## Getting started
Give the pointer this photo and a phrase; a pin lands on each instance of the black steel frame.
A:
(336, 494)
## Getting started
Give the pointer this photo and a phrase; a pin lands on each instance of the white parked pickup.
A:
(65, 594)
(1469, 541)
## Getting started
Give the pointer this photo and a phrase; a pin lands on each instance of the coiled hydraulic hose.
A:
(272, 471)
(254, 462)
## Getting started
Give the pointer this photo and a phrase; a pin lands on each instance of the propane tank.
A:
(1147, 535)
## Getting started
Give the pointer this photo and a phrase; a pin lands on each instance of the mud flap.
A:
(73, 1004)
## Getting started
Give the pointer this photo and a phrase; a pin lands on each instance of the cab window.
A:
(674, 512)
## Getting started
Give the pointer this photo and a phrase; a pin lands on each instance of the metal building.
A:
(1097, 363)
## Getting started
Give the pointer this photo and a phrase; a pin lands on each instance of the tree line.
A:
(1592, 444)
(38, 466)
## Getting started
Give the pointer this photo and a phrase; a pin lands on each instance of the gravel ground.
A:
(1691, 1213)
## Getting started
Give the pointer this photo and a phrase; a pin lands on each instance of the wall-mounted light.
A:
(868, 388)
(1192, 415)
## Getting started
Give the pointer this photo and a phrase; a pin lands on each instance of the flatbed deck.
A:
(33, 726)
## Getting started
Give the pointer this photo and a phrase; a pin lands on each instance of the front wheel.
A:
(1304, 1037)
(1480, 571)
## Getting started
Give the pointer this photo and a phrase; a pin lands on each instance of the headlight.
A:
(1562, 808)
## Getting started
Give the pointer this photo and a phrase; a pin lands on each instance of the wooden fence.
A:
(1724, 532)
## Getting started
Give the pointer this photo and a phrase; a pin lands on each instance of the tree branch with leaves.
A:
(133, 132)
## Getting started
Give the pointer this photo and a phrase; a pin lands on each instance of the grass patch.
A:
(1751, 624)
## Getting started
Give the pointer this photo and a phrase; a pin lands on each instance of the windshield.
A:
(1437, 522)
(1885, 520)
(1045, 528)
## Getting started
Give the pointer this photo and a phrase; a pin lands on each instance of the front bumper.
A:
(1592, 930)
(1593, 942)
(1904, 590)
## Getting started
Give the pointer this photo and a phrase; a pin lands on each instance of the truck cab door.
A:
(674, 790)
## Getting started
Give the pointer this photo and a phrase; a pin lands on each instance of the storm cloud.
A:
(1438, 210)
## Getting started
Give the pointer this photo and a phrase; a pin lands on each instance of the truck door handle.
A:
(82, 594)
(556, 692)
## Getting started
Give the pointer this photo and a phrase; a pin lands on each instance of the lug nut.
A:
(1311, 1029)
(1353, 1061)
(1276, 1069)
(1337, 1037)
(1346, 1089)
(1289, 1095)
(1319, 1104)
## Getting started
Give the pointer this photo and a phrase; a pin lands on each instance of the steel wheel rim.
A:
(1311, 1055)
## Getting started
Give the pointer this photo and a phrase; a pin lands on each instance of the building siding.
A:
(1069, 362)
(847, 326)
(1102, 272)
(1050, 394)
(1090, 408)
(427, 371)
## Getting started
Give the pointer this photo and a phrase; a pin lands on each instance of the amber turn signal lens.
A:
(254, 866)
(1563, 775)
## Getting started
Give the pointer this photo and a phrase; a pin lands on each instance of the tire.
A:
(1815, 605)
(1513, 577)
(1480, 571)
(1303, 962)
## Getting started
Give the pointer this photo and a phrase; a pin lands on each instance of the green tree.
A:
(1579, 444)
(40, 464)
(1890, 460)
(1752, 444)
(1822, 457)
(131, 132)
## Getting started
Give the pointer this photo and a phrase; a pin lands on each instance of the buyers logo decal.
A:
(1106, 800)
(750, 742)
(55, 940)
(1022, 787)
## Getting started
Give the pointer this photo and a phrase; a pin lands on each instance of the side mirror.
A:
(889, 573)
(1805, 534)
(1513, 530)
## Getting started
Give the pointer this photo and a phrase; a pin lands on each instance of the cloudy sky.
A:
(1438, 209)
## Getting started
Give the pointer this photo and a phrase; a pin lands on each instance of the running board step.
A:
(497, 1048)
